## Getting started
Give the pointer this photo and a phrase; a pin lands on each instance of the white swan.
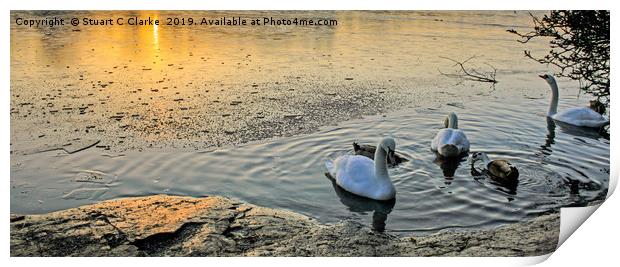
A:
(578, 116)
(363, 176)
(450, 141)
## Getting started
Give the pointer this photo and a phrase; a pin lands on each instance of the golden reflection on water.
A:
(398, 38)
(156, 35)
(169, 79)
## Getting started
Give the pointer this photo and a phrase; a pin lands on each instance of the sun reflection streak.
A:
(156, 36)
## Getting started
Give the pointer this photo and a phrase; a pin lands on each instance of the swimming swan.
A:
(578, 116)
(370, 150)
(362, 176)
(450, 141)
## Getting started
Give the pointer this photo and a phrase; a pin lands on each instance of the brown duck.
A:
(369, 152)
(597, 106)
(499, 170)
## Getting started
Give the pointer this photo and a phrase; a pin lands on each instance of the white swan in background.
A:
(578, 116)
(363, 176)
(450, 141)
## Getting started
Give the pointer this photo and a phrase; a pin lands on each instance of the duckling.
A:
(369, 152)
(597, 106)
(499, 170)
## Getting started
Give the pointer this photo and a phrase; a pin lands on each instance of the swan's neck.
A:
(486, 160)
(381, 163)
(452, 121)
(555, 95)
(481, 162)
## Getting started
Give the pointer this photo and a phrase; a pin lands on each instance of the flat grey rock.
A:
(165, 225)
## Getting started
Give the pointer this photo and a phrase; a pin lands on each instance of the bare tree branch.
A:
(465, 73)
(579, 47)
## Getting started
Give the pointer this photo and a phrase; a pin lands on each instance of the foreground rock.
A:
(216, 226)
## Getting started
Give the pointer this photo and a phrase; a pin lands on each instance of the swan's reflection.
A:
(449, 165)
(588, 132)
(567, 128)
(578, 132)
(570, 129)
(550, 140)
(359, 204)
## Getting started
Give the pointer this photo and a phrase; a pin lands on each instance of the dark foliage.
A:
(579, 47)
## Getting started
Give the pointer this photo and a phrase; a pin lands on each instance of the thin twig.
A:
(471, 74)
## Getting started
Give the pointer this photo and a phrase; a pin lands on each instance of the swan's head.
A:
(389, 146)
(477, 156)
(548, 78)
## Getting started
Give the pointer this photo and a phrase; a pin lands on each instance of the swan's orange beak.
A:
(543, 76)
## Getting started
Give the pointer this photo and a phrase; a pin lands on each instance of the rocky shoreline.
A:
(163, 225)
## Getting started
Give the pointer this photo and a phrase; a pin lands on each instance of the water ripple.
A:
(558, 166)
